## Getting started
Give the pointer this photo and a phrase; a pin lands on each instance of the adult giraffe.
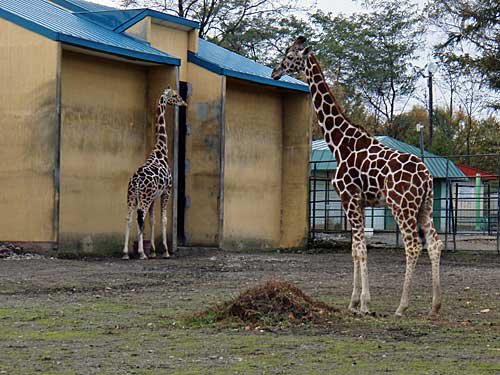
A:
(152, 180)
(371, 174)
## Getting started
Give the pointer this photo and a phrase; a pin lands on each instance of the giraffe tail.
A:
(421, 212)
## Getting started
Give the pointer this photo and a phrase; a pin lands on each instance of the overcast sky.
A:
(346, 7)
(335, 6)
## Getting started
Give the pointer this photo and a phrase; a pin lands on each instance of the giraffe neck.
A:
(339, 132)
(160, 149)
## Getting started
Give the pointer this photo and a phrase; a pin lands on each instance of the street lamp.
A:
(420, 129)
(431, 69)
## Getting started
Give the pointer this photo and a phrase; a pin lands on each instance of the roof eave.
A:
(195, 59)
(155, 14)
(120, 51)
(33, 26)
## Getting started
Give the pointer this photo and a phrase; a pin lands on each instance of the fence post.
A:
(478, 202)
(498, 206)
(455, 226)
(313, 232)
(446, 209)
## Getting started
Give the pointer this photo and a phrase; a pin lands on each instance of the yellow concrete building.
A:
(79, 86)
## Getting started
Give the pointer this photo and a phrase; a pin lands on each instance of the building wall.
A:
(203, 142)
(28, 125)
(253, 167)
(141, 29)
(103, 140)
(173, 41)
(297, 118)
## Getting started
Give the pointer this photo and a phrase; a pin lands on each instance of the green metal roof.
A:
(436, 164)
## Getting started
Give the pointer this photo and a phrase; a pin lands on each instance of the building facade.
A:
(80, 84)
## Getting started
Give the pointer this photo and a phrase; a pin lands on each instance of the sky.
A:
(335, 6)
(348, 7)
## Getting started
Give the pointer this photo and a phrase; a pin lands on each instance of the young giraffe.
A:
(371, 174)
(152, 180)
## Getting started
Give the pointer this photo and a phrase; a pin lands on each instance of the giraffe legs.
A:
(434, 248)
(152, 226)
(127, 233)
(141, 213)
(405, 211)
(164, 203)
(361, 286)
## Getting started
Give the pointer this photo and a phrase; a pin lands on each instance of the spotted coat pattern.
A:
(371, 174)
(152, 180)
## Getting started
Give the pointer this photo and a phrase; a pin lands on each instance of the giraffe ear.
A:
(169, 88)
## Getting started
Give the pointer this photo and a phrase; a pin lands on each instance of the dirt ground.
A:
(107, 316)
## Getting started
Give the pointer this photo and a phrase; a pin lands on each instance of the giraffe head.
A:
(294, 60)
(171, 97)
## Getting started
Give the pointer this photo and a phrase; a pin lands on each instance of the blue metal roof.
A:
(82, 6)
(111, 19)
(436, 164)
(59, 24)
(224, 62)
(158, 15)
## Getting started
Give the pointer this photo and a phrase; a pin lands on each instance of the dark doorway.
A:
(181, 167)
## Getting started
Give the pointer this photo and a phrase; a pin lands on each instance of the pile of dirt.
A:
(273, 303)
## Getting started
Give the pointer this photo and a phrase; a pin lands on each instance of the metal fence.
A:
(466, 208)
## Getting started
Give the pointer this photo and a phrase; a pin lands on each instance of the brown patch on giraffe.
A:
(410, 167)
(316, 70)
(350, 132)
(404, 158)
(323, 87)
(321, 116)
(363, 143)
(328, 98)
(339, 120)
(327, 108)
(317, 100)
(327, 137)
(335, 110)
(317, 78)
(336, 136)
(329, 123)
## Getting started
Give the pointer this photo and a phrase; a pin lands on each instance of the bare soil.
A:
(107, 316)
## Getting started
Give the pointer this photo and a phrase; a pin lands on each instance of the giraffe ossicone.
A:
(152, 180)
(371, 174)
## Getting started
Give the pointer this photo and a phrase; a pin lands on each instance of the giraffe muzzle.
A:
(277, 73)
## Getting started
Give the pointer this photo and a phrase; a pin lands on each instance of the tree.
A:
(250, 27)
(373, 54)
(472, 29)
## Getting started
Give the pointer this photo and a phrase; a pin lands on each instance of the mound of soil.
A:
(275, 302)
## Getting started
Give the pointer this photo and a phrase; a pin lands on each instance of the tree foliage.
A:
(373, 53)
(472, 29)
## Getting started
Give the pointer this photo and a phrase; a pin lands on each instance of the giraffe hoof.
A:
(143, 257)
(125, 257)
(166, 256)
(354, 310)
(153, 255)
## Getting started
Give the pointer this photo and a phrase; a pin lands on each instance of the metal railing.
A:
(466, 208)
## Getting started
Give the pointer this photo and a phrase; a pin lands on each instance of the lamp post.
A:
(431, 69)
(420, 129)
